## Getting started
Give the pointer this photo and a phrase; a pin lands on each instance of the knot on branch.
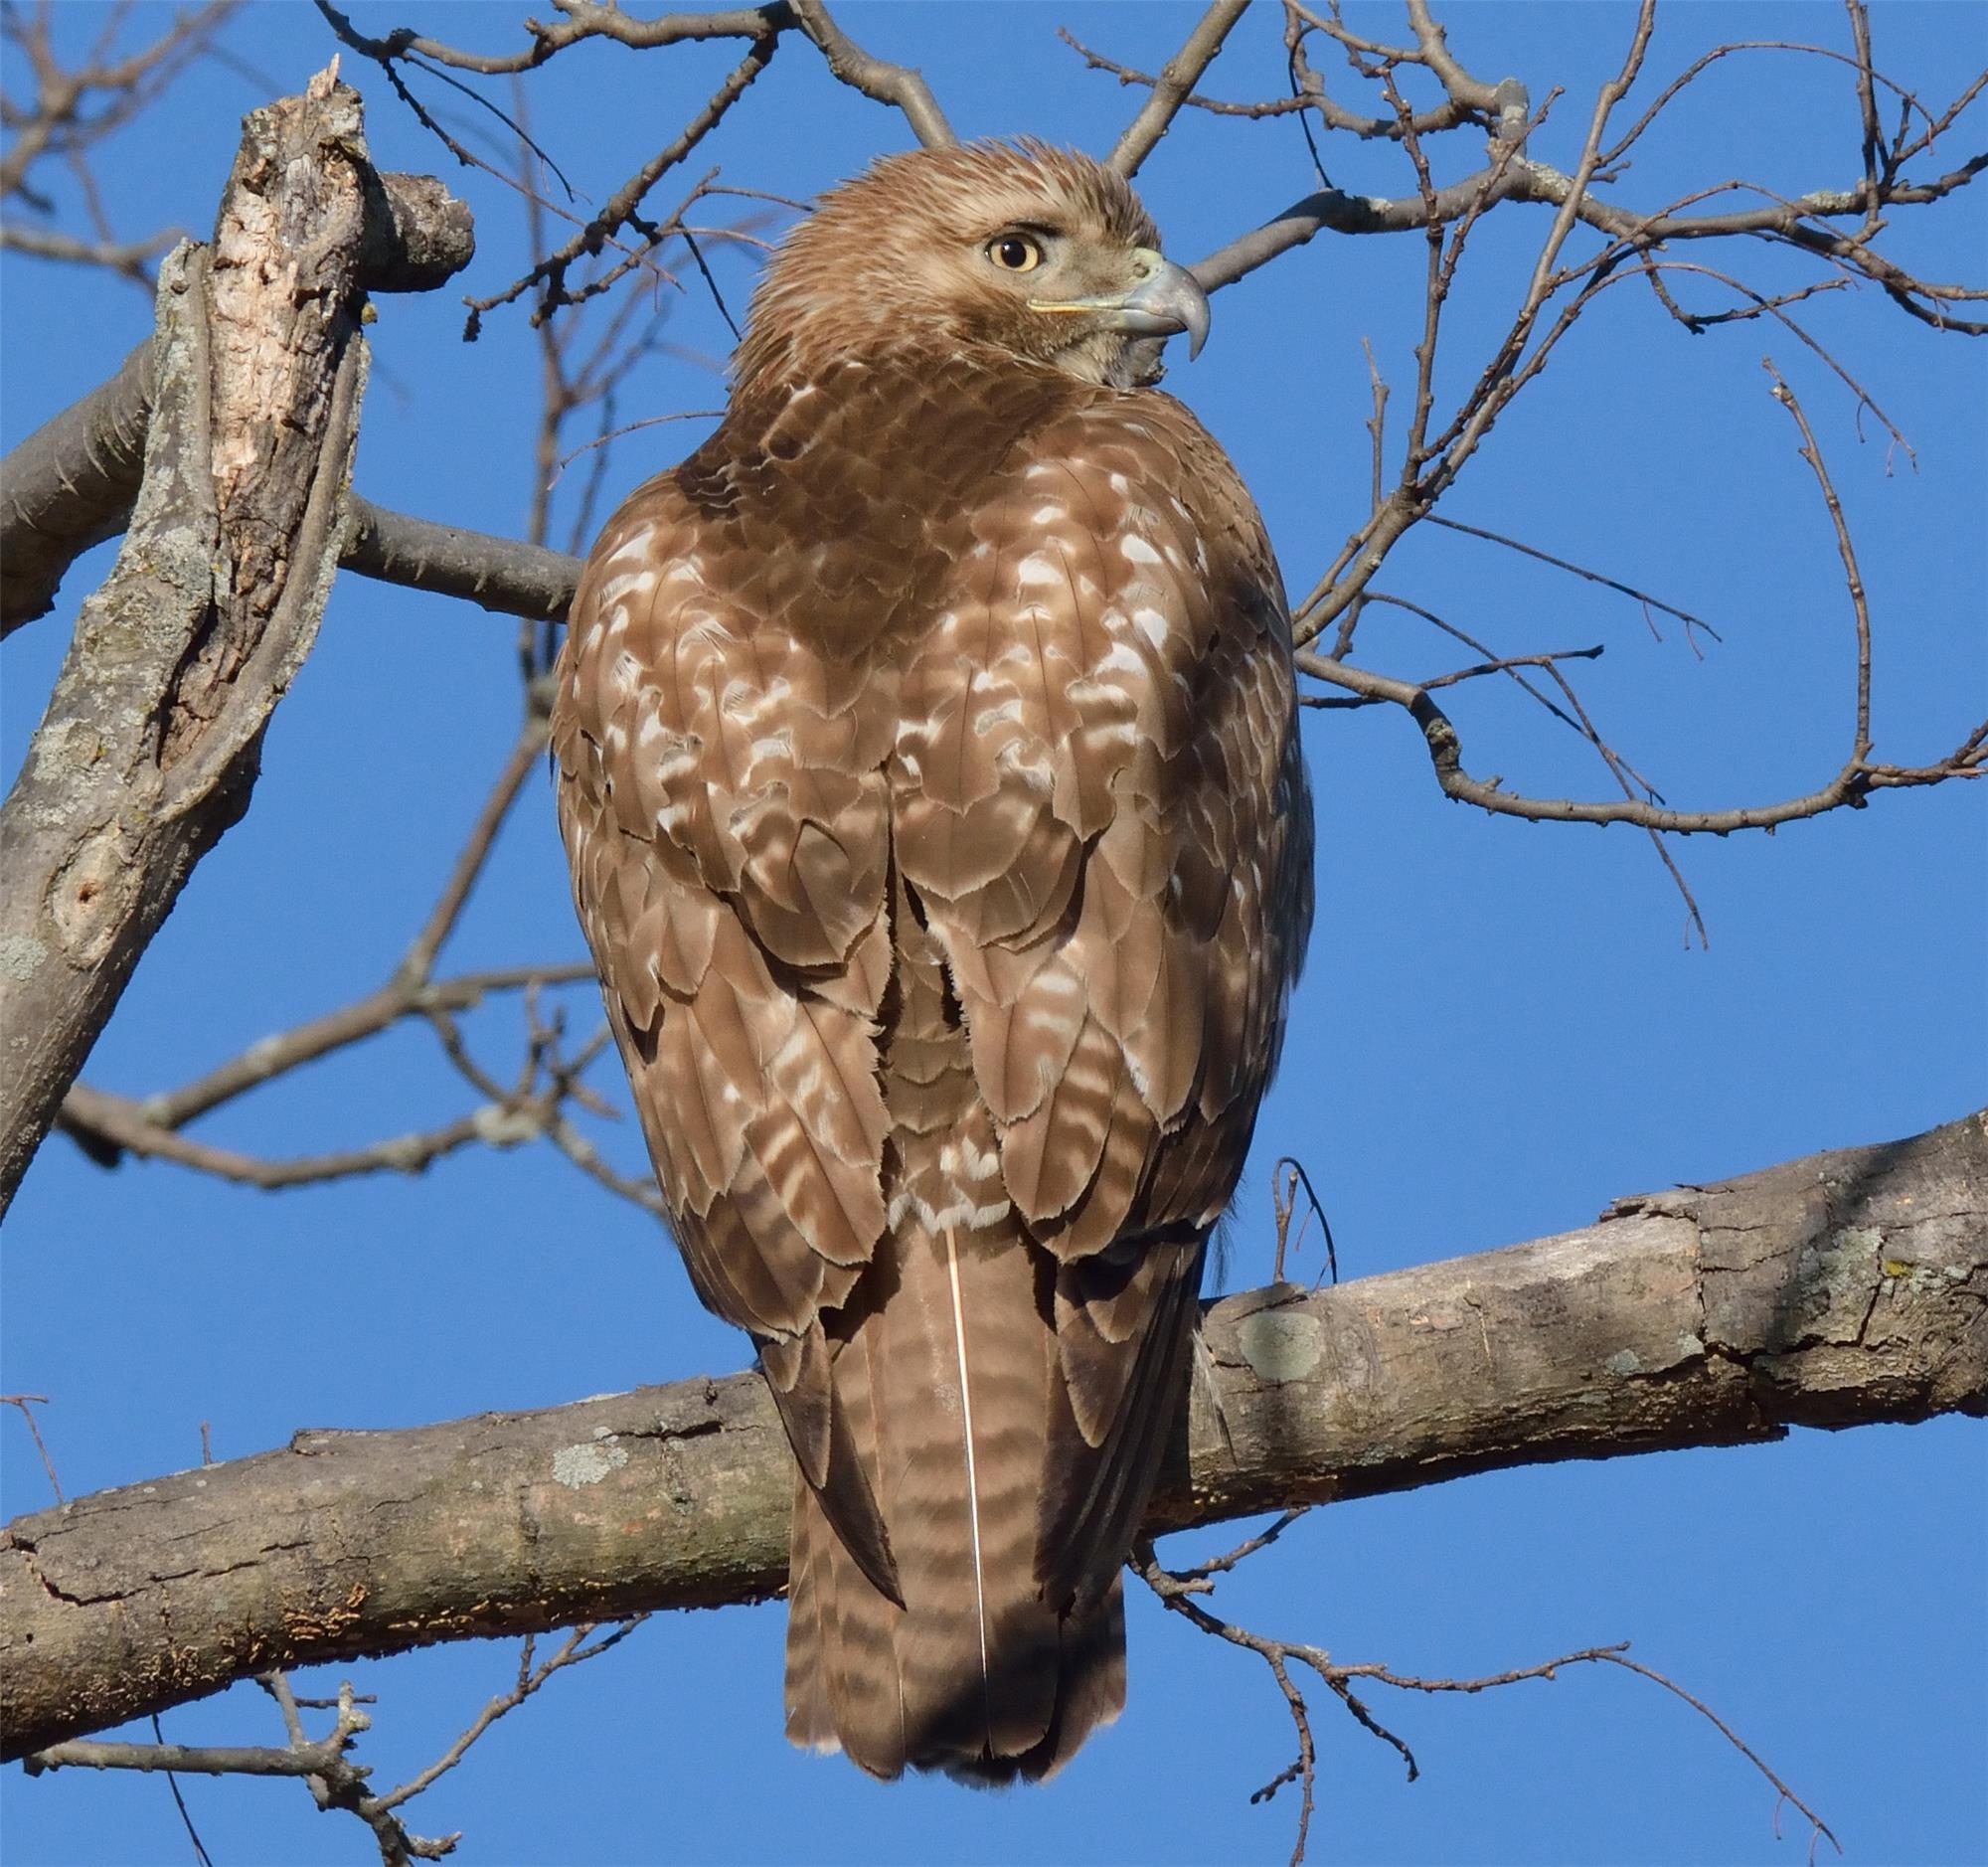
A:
(418, 235)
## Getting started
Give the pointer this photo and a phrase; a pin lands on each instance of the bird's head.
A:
(1037, 253)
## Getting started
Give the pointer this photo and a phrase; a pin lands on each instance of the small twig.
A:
(27, 1404)
(179, 1800)
(1176, 1592)
(624, 208)
(1577, 570)
(1285, 1179)
(1852, 579)
(519, 764)
(274, 1056)
(1221, 1565)
(124, 1125)
(1445, 749)
(572, 1651)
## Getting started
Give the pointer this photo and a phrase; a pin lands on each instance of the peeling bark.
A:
(72, 483)
(1842, 1290)
(152, 742)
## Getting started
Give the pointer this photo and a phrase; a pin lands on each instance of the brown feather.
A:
(927, 763)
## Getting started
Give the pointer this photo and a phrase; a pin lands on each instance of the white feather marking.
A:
(1040, 569)
(1135, 550)
(972, 1477)
(616, 589)
(1002, 714)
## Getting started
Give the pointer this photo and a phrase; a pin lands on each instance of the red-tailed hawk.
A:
(928, 766)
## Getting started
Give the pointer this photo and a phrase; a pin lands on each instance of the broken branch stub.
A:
(150, 744)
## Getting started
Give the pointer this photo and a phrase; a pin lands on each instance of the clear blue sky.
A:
(1501, 1029)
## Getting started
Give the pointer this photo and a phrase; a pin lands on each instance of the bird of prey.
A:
(927, 762)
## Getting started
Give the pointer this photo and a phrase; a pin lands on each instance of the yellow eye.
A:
(1015, 252)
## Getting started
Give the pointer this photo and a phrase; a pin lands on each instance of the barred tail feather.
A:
(950, 1388)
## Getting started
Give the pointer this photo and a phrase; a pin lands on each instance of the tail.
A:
(952, 1389)
(982, 1423)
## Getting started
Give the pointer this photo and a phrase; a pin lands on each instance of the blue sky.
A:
(1500, 1031)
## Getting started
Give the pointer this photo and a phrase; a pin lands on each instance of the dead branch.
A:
(1843, 1289)
(149, 747)
(71, 483)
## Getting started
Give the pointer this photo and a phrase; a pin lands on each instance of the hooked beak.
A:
(1167, 300)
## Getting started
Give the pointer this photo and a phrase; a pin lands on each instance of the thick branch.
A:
(150, 745)
(1841, 1290)
(71, 483)
(69, 487)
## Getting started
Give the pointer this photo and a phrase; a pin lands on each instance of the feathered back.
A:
(928, 767)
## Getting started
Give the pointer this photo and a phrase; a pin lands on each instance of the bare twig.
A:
(116, 1122)
(574, 1650)
(1853, 578)
(580, 19)
(130, 259)
(624, 209)
(1178, 77)
(200, 1852)
(1285, 1179)
(26, 1403)
(1177, 1592)
(1642, 597)
(417, 963)
(335, 1781)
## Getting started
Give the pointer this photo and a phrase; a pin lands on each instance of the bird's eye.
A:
(1015, 252)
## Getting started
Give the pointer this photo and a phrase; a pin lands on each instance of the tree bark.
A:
(152, 742)
(72, 483)
(1842, 1290)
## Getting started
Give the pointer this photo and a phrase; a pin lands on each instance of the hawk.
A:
(927, 762)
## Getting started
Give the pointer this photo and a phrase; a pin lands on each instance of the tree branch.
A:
(875, 77)
(1841, 1290)
(150, 745)
(70, 485)
(1177, 79)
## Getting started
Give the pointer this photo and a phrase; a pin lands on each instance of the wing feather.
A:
(944, 849)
